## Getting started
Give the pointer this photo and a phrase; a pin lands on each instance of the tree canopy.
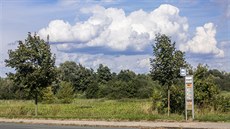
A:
(79, 76)
(34, 65)
(166, 62)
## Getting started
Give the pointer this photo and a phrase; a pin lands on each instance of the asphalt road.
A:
(42, 126)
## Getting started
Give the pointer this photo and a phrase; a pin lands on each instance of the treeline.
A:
(81, 82)
(102, 83)
(76, 81)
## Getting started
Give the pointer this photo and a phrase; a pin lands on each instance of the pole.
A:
(185, 100)
(193, 114)
(36, 104)
(168, 101)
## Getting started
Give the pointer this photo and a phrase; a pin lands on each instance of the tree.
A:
(79, 76)
(47, 95)
(205, 89)
(126, 75)
(66, 92)
(104, 74)
(222, 79)
(7, 89)
(92, 90)
(34, 65)
(166, 62)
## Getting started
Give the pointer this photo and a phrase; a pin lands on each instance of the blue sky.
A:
(119, 33)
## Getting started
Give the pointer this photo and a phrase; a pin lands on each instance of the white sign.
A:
(182, 72)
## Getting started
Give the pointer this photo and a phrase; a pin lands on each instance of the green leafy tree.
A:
(126, 75)
(166, 62)
(222, 79)
(79, 76)
(104, 74)
(204, 87)
(34, 65)
(92, 90)
(7, 89)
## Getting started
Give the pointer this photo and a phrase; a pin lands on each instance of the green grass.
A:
(96, 109)
(225, 93)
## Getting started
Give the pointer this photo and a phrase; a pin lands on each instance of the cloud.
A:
(113, 29)
(204, 41)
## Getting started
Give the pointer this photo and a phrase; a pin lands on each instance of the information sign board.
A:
(189, 96)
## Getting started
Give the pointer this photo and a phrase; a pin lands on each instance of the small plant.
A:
(65, 93)
(47, 95)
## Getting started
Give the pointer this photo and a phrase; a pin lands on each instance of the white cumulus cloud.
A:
(204, 41)
(112, 28)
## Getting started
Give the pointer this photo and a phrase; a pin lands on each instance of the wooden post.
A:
(168, 101)
(36, 103)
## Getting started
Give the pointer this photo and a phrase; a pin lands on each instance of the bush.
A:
(66, 92)
(177, 99)
(6, 89)
(92, 91)
(222, 103)
(47, 95)
(159, 100)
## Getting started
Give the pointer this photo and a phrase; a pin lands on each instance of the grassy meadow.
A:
(98, 109)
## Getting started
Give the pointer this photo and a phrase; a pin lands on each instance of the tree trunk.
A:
(36, 103)
(168, 101)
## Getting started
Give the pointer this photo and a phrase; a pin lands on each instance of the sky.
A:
(119, 33)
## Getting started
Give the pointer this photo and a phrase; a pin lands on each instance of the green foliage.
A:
(177, 100)
(79, 76)
(47, 95)
(222, 79)
(167, 61)
(159, 102)
(126, 75)
(205, 89)
(7, 89)
(222, 103)
(66, 92)
(33, 63)
(104, 75)
(92, 90)
(137, 86)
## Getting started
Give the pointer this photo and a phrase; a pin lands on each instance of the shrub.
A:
(159, 100)
(222, 103)
(66, 92)
(47, 95)
(92, 91)
(177, 101)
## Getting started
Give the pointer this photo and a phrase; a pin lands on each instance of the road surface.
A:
(115, 124)
(42, 126)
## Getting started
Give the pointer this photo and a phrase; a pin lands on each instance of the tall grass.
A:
(96, 109)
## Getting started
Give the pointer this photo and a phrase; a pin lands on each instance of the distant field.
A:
(97, 109)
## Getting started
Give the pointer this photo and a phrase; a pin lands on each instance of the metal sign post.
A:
(189, 94)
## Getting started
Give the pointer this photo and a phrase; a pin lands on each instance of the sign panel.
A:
(189, 92)
(182, 72)
(189, 95)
